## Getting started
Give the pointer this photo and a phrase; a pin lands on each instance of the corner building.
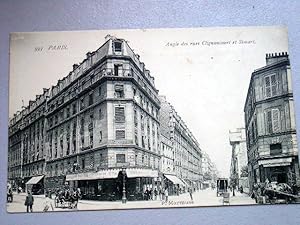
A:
(270, 123)
(101, 127)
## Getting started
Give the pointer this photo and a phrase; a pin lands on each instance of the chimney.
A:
(276, 57)
(75, 66)
(88, 54)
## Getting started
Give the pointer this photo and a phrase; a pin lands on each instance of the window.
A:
(119, 91)
(92, 161)
(91, 137)
(81, 103)
(55, 146)
(61, 146)
(271, 85)
(61, 115)
(68, 112)
(119, 115)
(74, 144)
(83, 164)
(120, 158)
(74, 110)
(273, 121)
(56, 169)
(82, 125)
(117, 69)
(118, 46)
(62, 167)
(100, 136)
(99, 91)
(120, 134)
(91, 99)
(275, 149)
(100, 114)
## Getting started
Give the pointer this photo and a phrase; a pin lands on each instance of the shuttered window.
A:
(271, 85)
(269, 122)
(120, 134)
(274, 85)
(119, 115)
(275, 120)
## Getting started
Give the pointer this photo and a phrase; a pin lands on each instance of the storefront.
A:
(174, 184)
(35, 185)
(281, 170)
(108, 184)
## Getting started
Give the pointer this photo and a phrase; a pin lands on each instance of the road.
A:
(200, 198)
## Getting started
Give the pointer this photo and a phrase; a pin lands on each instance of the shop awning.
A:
(35, 180)
(275, 162)
(174, 179)
(135, 172)
(101, 174)
(183, 181)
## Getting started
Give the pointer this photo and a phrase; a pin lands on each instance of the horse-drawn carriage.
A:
(222, 185)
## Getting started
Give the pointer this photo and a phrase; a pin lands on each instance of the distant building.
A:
(270, 123)
(239, 161)
(209, 171)
(94, 124)
(186, 149)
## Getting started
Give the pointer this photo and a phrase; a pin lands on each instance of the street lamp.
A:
(124, 187)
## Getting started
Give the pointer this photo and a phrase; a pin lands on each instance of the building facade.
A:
(270, 123)
(96, 129)
(239, 161)
(186, 150)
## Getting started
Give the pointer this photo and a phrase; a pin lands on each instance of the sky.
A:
(203, 72)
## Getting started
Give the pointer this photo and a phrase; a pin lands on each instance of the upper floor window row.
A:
(271, 83)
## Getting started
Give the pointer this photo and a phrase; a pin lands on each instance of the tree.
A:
(244, 171)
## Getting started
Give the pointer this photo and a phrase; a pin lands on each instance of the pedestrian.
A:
(191, 193)
(166, 195)
(155, 194)
(151, 194)
(146, 193)
(29, 202)
(48, 203)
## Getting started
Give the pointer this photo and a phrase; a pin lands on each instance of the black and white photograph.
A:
(151, 118)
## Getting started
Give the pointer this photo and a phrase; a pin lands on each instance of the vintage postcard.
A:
(119, 119)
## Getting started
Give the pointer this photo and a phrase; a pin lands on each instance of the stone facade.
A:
(186, 149)
(103, 115)
(270, 123)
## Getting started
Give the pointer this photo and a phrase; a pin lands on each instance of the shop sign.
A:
(141, 173)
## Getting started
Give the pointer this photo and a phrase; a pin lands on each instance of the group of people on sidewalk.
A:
(161, 194)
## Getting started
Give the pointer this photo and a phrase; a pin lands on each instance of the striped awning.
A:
(35, 180)
(174, 179)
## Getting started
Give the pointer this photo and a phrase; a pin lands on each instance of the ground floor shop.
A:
(116, 184)
(173, 184)
(279, 170)
(35, 185)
